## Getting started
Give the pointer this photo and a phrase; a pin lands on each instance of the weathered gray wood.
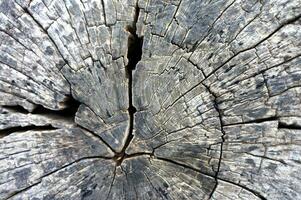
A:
(157, 99)
(29, 156)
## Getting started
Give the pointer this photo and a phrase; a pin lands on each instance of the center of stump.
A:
(119, 157)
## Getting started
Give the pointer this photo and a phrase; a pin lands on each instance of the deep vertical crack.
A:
(134, 56)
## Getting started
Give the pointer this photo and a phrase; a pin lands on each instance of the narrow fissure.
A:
(255, 121)
(97, 136)
(216, 177)
(69, 112)
(112, 183)
(282, 125)
(134, 56)
(8, 131)
(15, 108)
(216, 106)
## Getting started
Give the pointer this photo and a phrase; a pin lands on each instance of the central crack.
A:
(134, 56)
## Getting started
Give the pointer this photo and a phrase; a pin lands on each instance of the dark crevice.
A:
(119, 157)
(184, 166)
(104, 11)
(15, 108)
(134, 56)
(282, 125)
(68, 112)
(8, 131)
(268, 119)
(72, 104)
(216, 106)
(23, 190)
(112, 183)
(260, 196)
(97, 136)
(134, 45)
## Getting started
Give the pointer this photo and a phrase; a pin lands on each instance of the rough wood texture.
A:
(150, 99)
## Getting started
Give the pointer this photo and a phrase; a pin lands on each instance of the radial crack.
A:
(216, 106)
(67, 114)
(134, 56)
(255, 121)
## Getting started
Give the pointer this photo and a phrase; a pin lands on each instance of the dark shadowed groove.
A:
(8, 131)
(68, 112)
(104, 11)
(282, 125)
(73, 105)
(16, 108)
(255, 121)
(216, 106)
(134, 56)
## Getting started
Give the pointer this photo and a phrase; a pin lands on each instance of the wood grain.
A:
(150, 99)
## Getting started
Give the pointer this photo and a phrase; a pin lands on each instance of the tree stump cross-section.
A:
(150, 99)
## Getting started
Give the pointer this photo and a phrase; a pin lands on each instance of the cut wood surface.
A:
(150, 99)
